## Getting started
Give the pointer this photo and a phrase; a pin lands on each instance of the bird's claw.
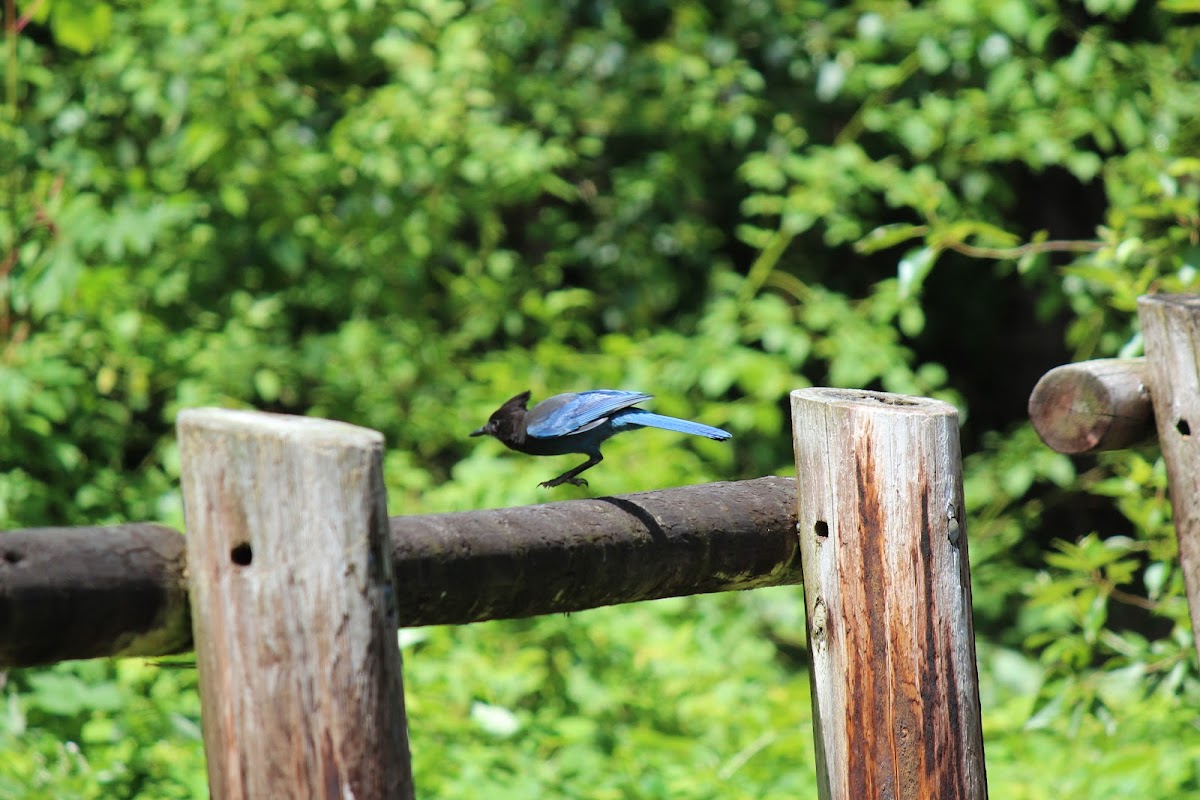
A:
(550, 484)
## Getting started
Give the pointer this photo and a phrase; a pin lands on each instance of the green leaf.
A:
(913, 269)
(81, 25)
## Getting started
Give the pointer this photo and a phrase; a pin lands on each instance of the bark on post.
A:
(293, 607)
(888, 593)
(1171, 329)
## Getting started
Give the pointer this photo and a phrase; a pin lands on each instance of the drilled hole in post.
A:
(13, 557)
(1183, 427)
(821, 529)
(242, 555)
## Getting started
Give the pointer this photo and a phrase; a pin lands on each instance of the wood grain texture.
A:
(888, 594)
(1171, 329)
(293, 607)
(1093, 406)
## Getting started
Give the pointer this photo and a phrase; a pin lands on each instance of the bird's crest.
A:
(520, 401)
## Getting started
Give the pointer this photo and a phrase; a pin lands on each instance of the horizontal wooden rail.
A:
(1093, 406)
(92, 592)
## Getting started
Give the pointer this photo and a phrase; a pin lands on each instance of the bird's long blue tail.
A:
(645, 418)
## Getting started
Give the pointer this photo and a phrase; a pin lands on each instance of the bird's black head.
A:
(507, 422)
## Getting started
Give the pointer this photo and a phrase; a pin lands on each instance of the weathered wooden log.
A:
(1171, 329)
(578, 554)
(293, 610)
(1093, 406)
(888, 594)
(92, 592)
(120, 591)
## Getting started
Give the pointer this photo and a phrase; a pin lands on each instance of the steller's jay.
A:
(579, 423)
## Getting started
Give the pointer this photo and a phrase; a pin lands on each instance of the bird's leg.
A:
(569, 476)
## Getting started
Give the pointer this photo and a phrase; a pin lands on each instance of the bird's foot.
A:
(559, 481)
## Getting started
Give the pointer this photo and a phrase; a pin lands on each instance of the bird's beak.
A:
(479, 432)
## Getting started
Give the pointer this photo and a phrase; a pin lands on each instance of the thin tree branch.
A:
(1033, 248)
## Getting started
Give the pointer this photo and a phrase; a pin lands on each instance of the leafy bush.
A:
(401, 216)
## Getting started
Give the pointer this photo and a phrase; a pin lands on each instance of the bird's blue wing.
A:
(565, 414)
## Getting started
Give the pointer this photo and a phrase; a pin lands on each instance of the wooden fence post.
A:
(1171, 328)
(293, 607)
(888, 594)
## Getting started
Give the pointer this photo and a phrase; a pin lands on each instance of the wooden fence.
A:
(291, 582)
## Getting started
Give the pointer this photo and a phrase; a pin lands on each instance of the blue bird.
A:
(579, 423)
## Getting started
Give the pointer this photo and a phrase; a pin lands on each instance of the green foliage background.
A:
(400, 215)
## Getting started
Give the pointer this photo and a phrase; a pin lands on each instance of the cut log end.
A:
(1093, 406)
(899, 403)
